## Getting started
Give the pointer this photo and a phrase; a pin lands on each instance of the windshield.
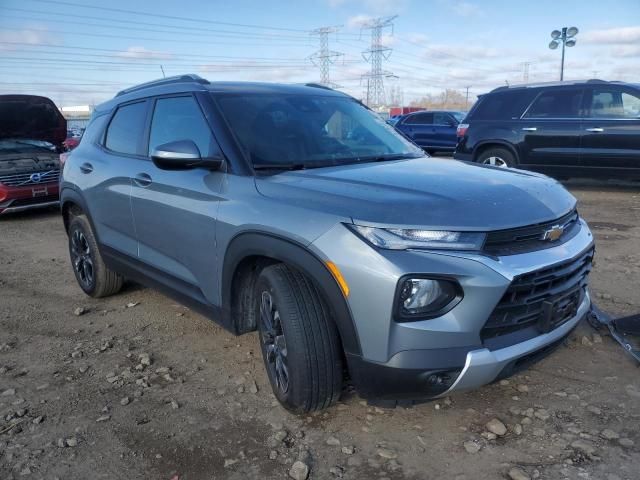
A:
(310, 131)
(22, 144)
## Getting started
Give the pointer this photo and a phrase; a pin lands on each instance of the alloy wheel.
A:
(496, 162)
(81, 258)
(274, 343)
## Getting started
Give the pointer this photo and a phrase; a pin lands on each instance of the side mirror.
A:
(183, 155)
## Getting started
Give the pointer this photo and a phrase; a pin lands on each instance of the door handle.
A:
(595, 130)
(530, 129)
(86, 168)
(142, 180)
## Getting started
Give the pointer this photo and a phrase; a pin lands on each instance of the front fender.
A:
(284, 250)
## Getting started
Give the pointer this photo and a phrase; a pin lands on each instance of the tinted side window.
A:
(611, 103)
(180, 118)
(556, 104)
(504, 105)
(442, 119)
(126, 128)
(419, 119)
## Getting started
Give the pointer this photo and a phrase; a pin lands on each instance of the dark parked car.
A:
(588, 128)
(433, 131)
(32, 130)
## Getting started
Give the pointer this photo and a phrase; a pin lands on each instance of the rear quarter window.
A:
(505, 105)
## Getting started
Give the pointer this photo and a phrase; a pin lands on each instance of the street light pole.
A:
(566, 36)
(564, 42)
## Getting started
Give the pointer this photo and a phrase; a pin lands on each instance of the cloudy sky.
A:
(84, 51)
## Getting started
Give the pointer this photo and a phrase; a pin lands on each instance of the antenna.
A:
(163, 75)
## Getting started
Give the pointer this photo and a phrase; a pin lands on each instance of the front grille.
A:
(522, 305)
(31, 178)
(530, 238)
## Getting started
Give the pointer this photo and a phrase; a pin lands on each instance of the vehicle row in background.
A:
(32, 132)
(569, 129)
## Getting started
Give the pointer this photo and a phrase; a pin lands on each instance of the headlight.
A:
(401, 239)
(426, 297)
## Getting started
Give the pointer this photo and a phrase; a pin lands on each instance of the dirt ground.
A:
(78, 402)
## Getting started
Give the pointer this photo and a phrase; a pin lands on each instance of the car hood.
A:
(31, 117)
(424, 192)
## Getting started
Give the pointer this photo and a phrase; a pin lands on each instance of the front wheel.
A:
(299, 341)
(497, 157)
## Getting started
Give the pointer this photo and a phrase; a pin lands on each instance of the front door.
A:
(444, 131)
(550, 131)
(611, 131)
(175, 211)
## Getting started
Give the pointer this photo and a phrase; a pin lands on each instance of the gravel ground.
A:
(136, 386)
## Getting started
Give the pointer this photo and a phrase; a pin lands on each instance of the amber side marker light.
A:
(333, 268)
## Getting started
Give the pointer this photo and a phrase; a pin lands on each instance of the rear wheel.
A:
(497, 157)
(299, 342)
(93, 276)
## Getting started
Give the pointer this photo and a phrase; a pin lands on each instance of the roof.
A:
(195, 83)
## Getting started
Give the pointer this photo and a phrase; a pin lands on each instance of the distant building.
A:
(77, 116)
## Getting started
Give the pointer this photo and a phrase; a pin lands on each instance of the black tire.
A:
(506, 158)
(93, 276)
(301, 327)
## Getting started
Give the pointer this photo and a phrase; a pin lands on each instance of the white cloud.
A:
(625, 51)
(417, 38)
(143, 53)
(613, 36)
(469, 51)
(358, 21)
(30, 36)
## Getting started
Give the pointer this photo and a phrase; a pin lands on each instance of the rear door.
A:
(551, 130)
(175, 211)
(418, 127)
(611, 131)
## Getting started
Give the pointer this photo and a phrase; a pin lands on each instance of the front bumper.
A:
(17, 199)
(433, 357)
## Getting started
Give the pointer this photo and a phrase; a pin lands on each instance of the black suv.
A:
(589, 128)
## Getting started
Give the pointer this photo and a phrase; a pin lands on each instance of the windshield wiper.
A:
(389, 157)
(279, 166)
(34, 145)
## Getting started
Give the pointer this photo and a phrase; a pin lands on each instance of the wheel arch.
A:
(250, 252)
(71, 202)
(487, 144)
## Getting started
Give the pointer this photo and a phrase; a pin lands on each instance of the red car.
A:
(32, 132)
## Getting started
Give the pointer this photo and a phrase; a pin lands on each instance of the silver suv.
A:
(296, 211)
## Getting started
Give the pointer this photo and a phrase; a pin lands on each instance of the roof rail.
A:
(317, 85)
(190, 77)
(548, 84)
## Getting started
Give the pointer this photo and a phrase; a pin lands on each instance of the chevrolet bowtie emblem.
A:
(553, 234)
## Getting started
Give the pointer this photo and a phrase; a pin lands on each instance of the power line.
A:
(170, 17)
(375, 55)
(324, 57)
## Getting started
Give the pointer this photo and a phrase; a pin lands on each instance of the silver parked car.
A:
(296, 211)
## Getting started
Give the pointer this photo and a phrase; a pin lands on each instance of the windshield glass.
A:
(310, 131)
(459, 116)
(22, 144)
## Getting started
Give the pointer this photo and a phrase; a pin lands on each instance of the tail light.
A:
(63, 158)
(462, 130)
